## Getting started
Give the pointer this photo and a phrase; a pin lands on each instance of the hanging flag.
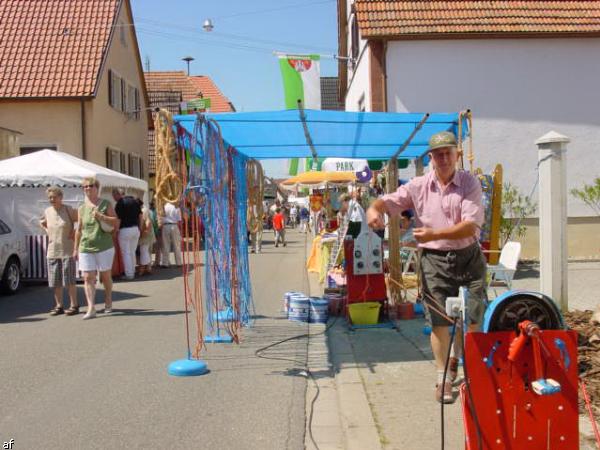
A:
(301, 81)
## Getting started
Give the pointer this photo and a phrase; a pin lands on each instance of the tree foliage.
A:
(515, 207)
(590, 195)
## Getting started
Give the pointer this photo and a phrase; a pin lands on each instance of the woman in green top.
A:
(94, 245)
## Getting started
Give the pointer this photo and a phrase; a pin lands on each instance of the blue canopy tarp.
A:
(368, 135)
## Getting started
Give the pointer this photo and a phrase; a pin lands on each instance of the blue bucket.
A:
(299, 308)
(286, 299)
(319, 310)
(419, 311)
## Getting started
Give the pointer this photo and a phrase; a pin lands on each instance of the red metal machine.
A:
(365, 280)
(523, 378)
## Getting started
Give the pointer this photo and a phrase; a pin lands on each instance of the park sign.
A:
(196, 104)
(344, 165)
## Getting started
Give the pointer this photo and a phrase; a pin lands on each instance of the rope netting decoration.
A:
(176, 178)
(228, 300)
(255, 184)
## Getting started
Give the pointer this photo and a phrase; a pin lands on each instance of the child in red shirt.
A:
(279, 227)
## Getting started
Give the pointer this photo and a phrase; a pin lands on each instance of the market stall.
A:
(23, 183)
(226, 141)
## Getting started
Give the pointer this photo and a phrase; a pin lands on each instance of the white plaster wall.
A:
(518, 90)
(359, 85)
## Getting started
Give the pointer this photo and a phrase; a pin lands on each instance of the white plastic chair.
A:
(411, 260)
(505, 270)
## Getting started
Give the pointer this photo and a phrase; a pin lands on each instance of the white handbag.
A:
(106, 227)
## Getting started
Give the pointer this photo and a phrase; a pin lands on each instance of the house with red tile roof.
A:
(190, 87)
(523, 68)
(71, 80)
(168, 89)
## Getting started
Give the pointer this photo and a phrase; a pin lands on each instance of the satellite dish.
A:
(365, 175)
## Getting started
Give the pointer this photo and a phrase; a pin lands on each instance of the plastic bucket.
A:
(419, 310)
(319, 310)
(364, 313)
(299, 309)
(406, 311)
(286, 299)
(335, 301)
(335, 304)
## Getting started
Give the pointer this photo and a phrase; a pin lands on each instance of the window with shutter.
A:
(131, 100)
(114, 159)
(123, 95)
(116, 91)
(355, 40)
(137, 103)
(135, 165)
(110, 89)
(123, 168)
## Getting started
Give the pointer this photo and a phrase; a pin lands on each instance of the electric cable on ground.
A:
(470, 400)
(259, 353)
(443, 386)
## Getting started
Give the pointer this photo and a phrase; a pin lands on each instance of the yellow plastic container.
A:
(364, 313)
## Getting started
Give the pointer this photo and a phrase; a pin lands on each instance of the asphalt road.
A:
(103, 383)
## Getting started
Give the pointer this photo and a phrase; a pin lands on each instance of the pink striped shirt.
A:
(439, 208)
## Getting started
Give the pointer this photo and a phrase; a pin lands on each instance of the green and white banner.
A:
(301, 81)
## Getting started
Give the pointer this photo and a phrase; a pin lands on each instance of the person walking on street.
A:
(147, 240)
(304, 218)
(293, 215)
(94, 245)
(129, 212)
(59, 223)
(448, 206)
(279, 227)
(171, 236)
(157, 246)
(255, 227)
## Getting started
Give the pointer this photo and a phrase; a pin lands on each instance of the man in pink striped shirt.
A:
(449, 214)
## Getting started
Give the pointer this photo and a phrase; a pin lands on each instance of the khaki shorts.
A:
(443, 272)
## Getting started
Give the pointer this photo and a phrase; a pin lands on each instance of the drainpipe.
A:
(83, 140)
(385, 78)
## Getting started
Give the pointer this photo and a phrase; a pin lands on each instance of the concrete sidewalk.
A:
(374, 388)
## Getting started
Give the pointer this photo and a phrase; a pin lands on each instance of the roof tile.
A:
(378, 18)
(53, 48)
(190, 87)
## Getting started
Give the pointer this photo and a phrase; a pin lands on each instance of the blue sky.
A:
(237, 54)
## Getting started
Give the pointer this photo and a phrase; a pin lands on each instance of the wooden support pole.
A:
(395, 265)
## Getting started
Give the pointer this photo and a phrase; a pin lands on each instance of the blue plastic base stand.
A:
(386, 324)
(188, 368)
(218, 339)
(225, 315)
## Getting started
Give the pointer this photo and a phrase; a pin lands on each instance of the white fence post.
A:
(552, 149)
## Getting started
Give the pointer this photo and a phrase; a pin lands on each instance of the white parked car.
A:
(13, 258)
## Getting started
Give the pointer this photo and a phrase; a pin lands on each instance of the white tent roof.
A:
(49, 167)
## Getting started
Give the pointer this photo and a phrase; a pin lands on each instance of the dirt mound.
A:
(588, 342)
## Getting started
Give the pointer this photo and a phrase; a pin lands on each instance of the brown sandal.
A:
(57, 310)
(72, 311)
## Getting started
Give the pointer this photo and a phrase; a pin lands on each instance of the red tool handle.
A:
(519, 342)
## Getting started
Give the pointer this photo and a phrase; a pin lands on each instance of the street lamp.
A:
(188, 59)
(208, 26)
